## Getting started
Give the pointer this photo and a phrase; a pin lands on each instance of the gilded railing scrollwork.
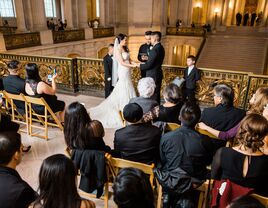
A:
(22, 40)
(87, 75)
(102, 32)
(62, 65)
(62, 36)
(187, 31)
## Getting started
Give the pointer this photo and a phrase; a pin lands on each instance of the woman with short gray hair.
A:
(146, 88)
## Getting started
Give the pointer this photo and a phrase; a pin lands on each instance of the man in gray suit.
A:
(146, 88)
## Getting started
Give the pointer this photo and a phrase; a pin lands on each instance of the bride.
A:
(107, 112)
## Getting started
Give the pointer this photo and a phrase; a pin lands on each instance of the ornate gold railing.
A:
(186, 31)
(7, 30)
(68, 35)
(64, 66)
(86, 75)
(22, 40)
(103, 32)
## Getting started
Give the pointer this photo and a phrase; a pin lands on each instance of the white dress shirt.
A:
(190, 68)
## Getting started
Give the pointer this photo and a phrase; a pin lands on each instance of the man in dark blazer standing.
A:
(137, 141)
(144, 51)
(191, 76)
(153, 66)
(108, 67)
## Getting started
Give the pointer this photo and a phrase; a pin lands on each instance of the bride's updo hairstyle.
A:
(121, 37)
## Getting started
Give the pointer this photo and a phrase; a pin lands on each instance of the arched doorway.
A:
(102, 52)
(180, 54)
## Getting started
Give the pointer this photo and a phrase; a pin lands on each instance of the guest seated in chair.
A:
(137, 141)
(146, 87)
(80, 132)
(7, 125)
(35, 87)
(57, 184)
(132, 189)
(224, 115)
(14, 84)
(185, 154)
(185, 147)
(15, 192)
(245, 164)
(170, 110)
(258, 104)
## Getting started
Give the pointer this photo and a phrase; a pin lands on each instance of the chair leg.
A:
(106, 194)
(159, 196)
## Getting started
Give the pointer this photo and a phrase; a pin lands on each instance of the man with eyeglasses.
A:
(224, 115)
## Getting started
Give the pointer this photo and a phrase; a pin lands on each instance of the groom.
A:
(152, 67)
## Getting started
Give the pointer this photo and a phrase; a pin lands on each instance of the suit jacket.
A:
(146, 104)
(92, 168)
(187, 149)
(192, 78)
(222, 117)
(138, 142)
(153, 66)
(14, 191)
(15, 85)
(144, 48)
(108, 66)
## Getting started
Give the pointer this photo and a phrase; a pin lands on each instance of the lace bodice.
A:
(125, 56)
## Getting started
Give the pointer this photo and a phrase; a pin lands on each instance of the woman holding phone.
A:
(35, 87)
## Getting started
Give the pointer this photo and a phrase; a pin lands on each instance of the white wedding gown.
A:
(107, 112)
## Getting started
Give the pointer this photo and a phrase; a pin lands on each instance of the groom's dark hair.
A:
(158, 34)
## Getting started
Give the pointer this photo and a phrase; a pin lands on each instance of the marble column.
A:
(38, 14)
(82, 14)
(102, 12)
(265, 14)
(21, 26)
(68, 14)
(226, 11)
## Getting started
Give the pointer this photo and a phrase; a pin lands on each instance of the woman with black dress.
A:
(245, 164)
(170, 110)
(35, 87)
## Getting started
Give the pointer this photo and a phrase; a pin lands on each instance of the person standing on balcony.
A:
(108, 67)
(144, 50)
(245, 20)
(191, 76)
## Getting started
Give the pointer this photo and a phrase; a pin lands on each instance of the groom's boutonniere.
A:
(151, 47)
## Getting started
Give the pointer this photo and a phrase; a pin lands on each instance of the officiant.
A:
(108, 67)
(144, 50)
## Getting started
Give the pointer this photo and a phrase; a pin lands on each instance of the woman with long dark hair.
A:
(108, 111)
(57, 185)
(132, 189)
(80, 132)
(35, 87)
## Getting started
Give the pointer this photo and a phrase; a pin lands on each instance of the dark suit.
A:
(15, 85)
(138, 142)
(144, 48)
(146, 104)
(222, 117)
(14, 191)
(245, 20)
(187, 149)
(190, 83)
(153, 68)
(108, 67)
